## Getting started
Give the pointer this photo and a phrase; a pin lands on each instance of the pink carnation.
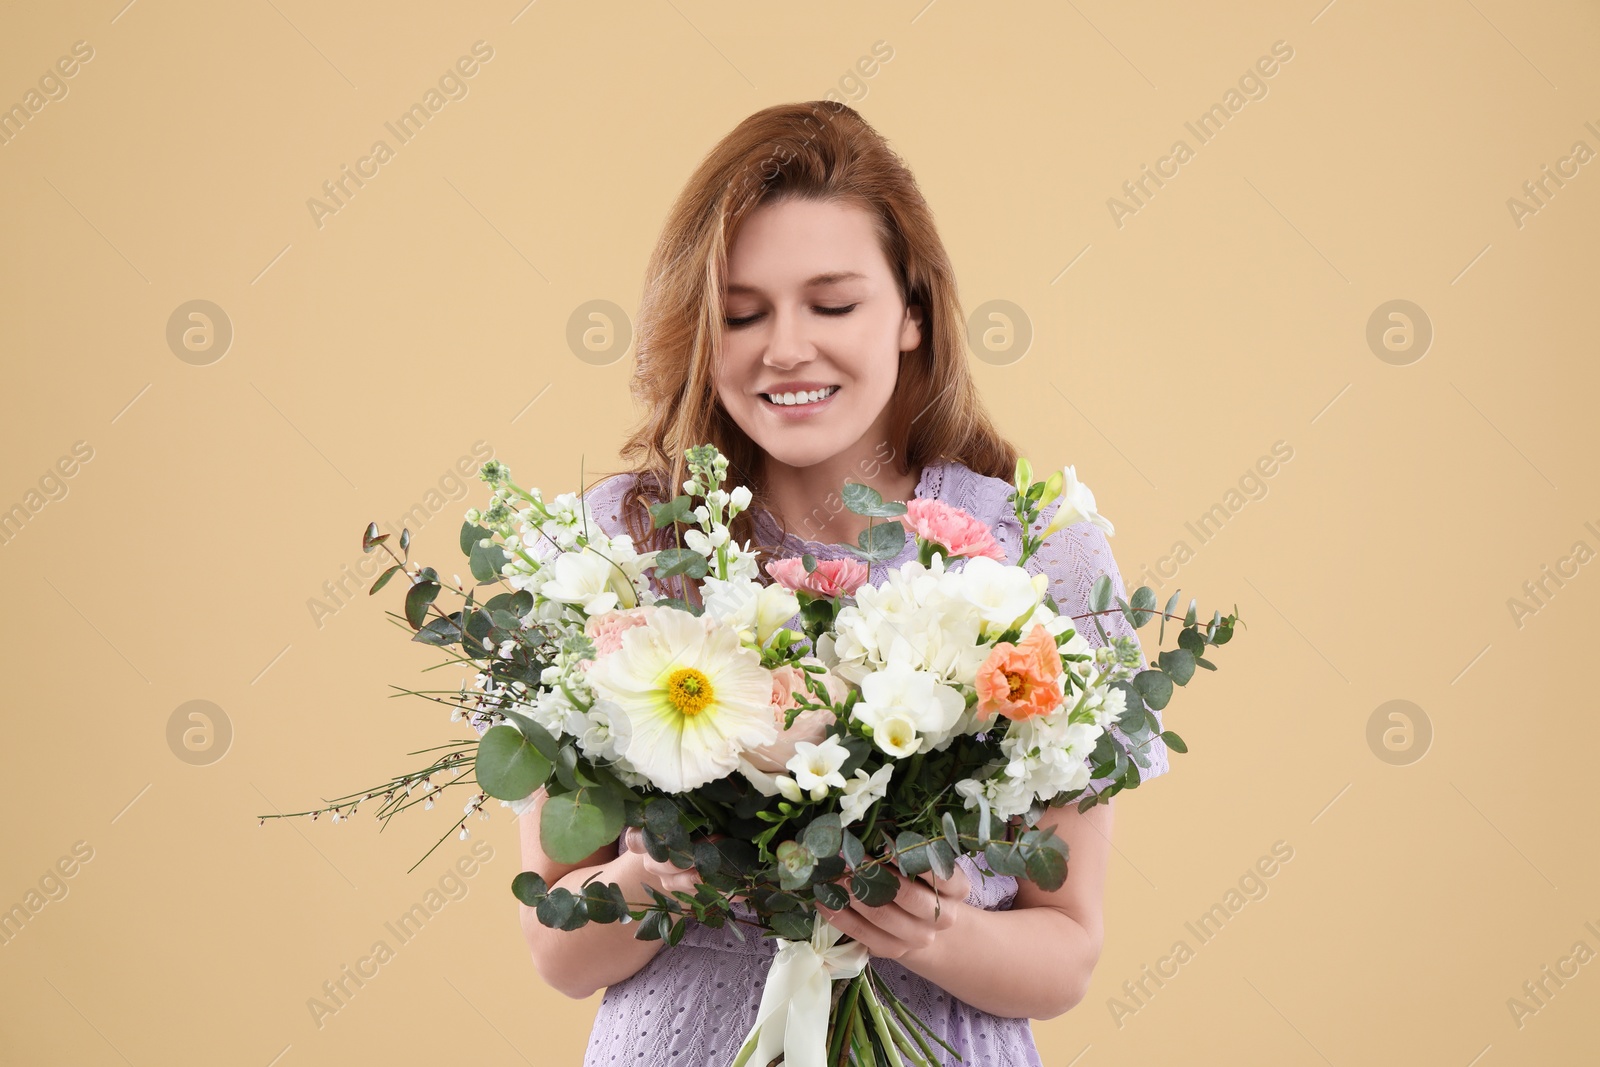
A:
(959, 533)
(832, 578)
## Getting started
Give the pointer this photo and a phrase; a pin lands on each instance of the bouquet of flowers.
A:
(934, 715)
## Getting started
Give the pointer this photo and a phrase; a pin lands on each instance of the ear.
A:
(911, 328)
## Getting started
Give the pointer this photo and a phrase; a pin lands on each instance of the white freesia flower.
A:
(694, 698)
(862, 791)
(1001, 593)
(1077, 505)
(591, 581)
(816, 766)
(905, 707)
(755, 610)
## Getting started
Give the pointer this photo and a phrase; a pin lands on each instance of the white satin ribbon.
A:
(793, 1016)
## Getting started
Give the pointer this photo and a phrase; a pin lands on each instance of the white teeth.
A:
(791, 399)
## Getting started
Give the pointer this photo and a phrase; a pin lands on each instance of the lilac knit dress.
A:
(694, 1002)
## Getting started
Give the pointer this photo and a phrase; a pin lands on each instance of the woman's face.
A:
(811, 304)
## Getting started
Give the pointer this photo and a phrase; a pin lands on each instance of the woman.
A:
(801, 314)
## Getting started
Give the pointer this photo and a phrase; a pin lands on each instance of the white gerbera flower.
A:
(693, 696)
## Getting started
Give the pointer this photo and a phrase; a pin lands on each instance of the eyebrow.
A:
(829, 278)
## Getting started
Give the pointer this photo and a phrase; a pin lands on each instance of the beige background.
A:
(1168, 355)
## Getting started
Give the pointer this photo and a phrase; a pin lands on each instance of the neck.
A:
(808, 500)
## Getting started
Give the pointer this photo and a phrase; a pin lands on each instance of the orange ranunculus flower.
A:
(1023, 680)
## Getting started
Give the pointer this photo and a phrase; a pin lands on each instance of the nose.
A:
(787, 346)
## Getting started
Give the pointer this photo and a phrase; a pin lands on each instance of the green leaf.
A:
(792, 925)
(485, 561)
(1046, 867)
(823, 836)
(508, 766)
(1190, 641)
(562, 910)
(865, 500)
(529, 887)
(471, 534)
(542, 739)
(685, 561)
(678, 509)
(1178, 663)
(371, 538)
(911, 853)
(573, 826)
(1155, 687)
(441, 632)
(1173, 741)
(1100, 593)
(874, 886)
(383, 579)
(854, 850)
(1132, 719)
(941, 857)
(418, 597)
(1144, 604)
(707, 858)
(882, 541)
(1005, 857)
(599, 904)
(832, 895)
(951, 834)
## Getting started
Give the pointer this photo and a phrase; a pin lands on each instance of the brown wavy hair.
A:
(824, 151)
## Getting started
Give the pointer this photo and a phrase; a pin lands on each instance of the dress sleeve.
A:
(1073, 559)
(605, 500)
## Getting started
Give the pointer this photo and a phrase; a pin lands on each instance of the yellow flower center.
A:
(689, 691)
(1016, 683)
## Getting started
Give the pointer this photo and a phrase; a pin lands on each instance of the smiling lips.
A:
(806, 398)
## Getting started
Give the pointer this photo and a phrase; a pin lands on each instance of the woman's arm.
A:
(580, 962)
(1031, 962)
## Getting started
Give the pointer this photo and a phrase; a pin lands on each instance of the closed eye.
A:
(748, 319)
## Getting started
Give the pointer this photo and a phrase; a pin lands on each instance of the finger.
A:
(854, 925)
(957, 887)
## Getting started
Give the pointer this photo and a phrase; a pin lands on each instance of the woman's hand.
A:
(661, 873)
(907, 924)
